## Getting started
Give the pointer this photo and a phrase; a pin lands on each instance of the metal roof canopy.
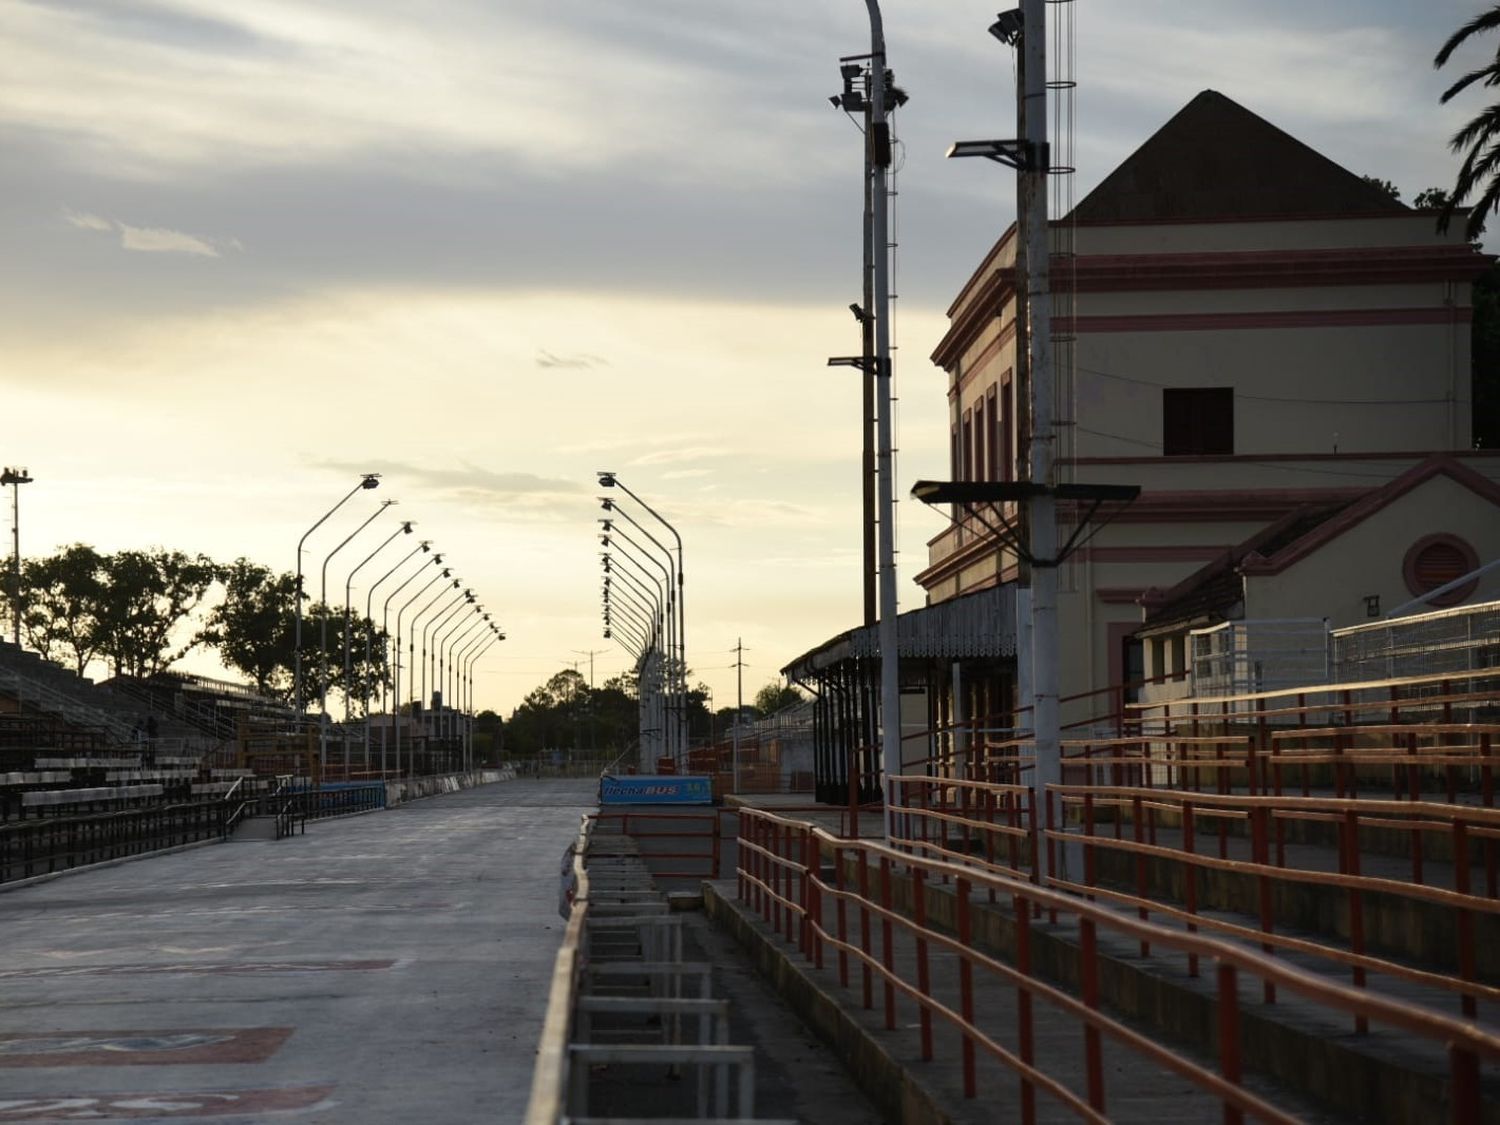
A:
(980, 624)
(972, 493)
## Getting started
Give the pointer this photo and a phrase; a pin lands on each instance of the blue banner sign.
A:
(655, 789)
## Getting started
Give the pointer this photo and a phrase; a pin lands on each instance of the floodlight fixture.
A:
(1009, 26)
(606, 478)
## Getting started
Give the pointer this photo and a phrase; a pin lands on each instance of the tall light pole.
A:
(437, 560)
(404, 529)
(612, 480)
(367, 480)
(466, 639)
(323, 640)
(420, 549)
(440, 641)
(447, 610)
(15, 477)
(495, 639)
(442, 598)
(609, 480)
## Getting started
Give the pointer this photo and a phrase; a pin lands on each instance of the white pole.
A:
(879, 158)
(1031, 214)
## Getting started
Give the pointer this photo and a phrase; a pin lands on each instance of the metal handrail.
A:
(550, 1072)
(791, 887)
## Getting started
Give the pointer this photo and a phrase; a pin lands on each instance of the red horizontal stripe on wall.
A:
(1226, 322)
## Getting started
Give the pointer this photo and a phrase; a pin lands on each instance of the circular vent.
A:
(1436, 560)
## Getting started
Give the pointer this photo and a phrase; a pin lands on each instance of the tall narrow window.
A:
(992, 442)
(1008, 433)
(981, 447)
(968, 445)
(1197, 420)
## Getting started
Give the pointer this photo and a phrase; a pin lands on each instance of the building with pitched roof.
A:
(1263, 341)
(1275, 350)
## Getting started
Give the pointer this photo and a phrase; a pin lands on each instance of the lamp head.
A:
(446, 572)
(607, 503)
(426, 545)
(606, 479)
(371, 480)
(608, 524)
(437, 560)
(1008, 27)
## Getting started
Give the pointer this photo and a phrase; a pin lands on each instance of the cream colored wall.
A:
(1294, 387)
(1334, 581)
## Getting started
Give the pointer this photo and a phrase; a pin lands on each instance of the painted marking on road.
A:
(162, 1104)
(226, 968)
(142, 1048)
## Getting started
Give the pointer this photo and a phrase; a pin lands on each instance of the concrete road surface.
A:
(391, 967)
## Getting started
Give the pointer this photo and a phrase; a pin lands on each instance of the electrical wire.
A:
(1271, 398)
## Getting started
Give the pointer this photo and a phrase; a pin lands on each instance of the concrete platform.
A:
(383, 968)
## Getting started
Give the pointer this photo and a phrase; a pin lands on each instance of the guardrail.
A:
(783, 877)
(43, 847)
(551, 1074)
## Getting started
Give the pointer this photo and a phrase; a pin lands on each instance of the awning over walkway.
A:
(982, 624)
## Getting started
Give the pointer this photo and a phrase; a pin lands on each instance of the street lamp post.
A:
(459, 647)
(15, 478)
(430, 657)
(421, 548)
(677, 684)
(404, 529)
(440, 642)
(463, 644)
(367, 480)
(421, 700)
(495, 639)
(648, 673)
(323, 642)
(612, 480)
(396, 689)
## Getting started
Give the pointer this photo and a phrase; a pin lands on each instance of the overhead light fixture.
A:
(1008, 27)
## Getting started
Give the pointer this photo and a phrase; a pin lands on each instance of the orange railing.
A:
(782, 878)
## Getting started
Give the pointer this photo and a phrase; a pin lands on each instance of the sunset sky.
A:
(253, 249)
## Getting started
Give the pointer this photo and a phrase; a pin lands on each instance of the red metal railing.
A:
(782, 877)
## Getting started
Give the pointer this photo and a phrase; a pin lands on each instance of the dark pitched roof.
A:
(1214, 160)
(1213, 593)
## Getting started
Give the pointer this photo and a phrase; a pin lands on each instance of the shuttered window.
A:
(1197, 421)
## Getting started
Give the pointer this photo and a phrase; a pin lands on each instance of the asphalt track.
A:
(391, 967)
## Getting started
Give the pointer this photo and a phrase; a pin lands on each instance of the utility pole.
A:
(1031, 217)
(739, 703)
(590, 653)
(15, 478)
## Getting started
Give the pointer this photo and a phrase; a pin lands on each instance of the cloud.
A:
(159, 240)
(672, 456)
(526, 494)
(85, 221)
(581, 361)
(151, 240)
(685, 474)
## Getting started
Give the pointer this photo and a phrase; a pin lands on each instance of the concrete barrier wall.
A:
(411, 789)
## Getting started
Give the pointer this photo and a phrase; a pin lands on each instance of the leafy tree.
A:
(774, 697)
(253, 628)
(1384, 185)
(1477, 140)
(63, 595)
(365, 677)
(146, 596)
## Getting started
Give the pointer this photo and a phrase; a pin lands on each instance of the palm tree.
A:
(1479, 140)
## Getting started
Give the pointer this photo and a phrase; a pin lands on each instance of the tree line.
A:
(138, 612)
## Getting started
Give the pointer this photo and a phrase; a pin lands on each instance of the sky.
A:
(249, 251)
